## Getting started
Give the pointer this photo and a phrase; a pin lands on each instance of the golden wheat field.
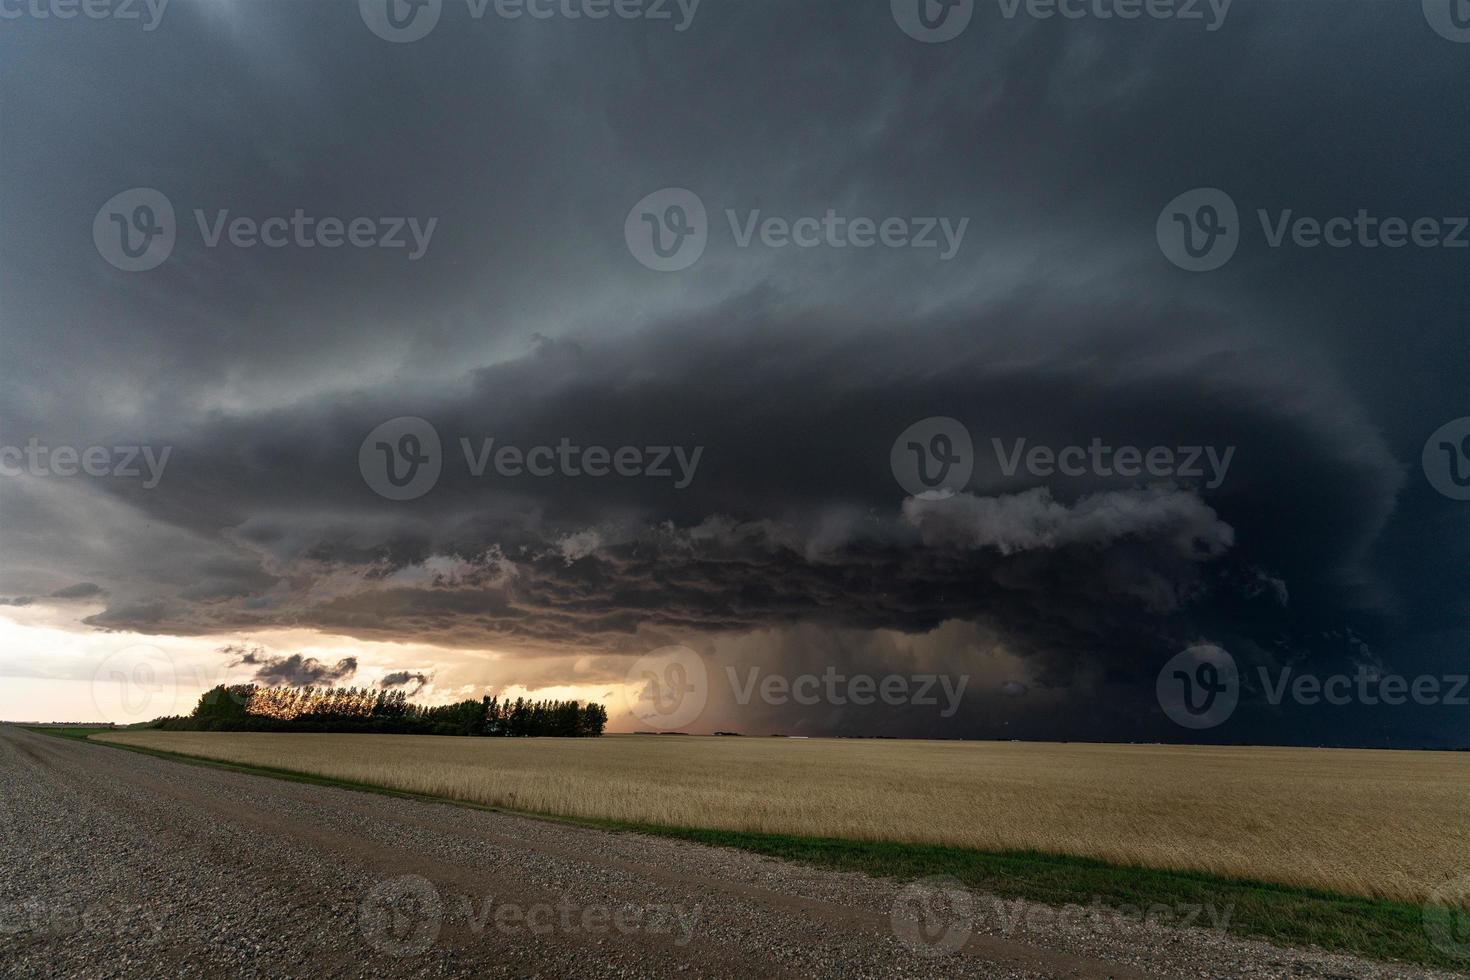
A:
(1375, 823)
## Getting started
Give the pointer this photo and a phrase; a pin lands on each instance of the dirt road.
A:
(120, 864)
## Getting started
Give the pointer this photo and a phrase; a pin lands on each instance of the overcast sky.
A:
(509, 156)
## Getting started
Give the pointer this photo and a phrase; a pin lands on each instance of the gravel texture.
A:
(117, 864)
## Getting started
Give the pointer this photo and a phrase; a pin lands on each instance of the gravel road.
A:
(120, 864)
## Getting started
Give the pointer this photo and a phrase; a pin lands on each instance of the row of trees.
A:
(559, 719)
(249, 707)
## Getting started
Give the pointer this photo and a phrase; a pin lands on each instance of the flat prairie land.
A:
(1379, 824)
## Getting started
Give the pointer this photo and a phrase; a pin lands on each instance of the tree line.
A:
(251, 707)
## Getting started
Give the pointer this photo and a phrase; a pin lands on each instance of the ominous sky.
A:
(263, 547)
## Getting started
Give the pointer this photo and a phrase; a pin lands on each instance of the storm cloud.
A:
(290, 671)
(527, 323)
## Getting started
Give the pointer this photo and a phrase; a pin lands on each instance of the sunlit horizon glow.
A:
(54, 668)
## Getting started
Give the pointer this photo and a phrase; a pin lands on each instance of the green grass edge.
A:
(1281, 914)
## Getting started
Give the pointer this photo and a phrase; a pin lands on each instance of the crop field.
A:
(1381, 824)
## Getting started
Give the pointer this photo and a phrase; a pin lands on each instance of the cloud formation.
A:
(290, 671)
(528, 322)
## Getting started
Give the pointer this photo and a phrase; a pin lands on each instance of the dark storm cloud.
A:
(291, 671)
(529, 322)
(795, 523)
(81, 590)
(403, 678)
